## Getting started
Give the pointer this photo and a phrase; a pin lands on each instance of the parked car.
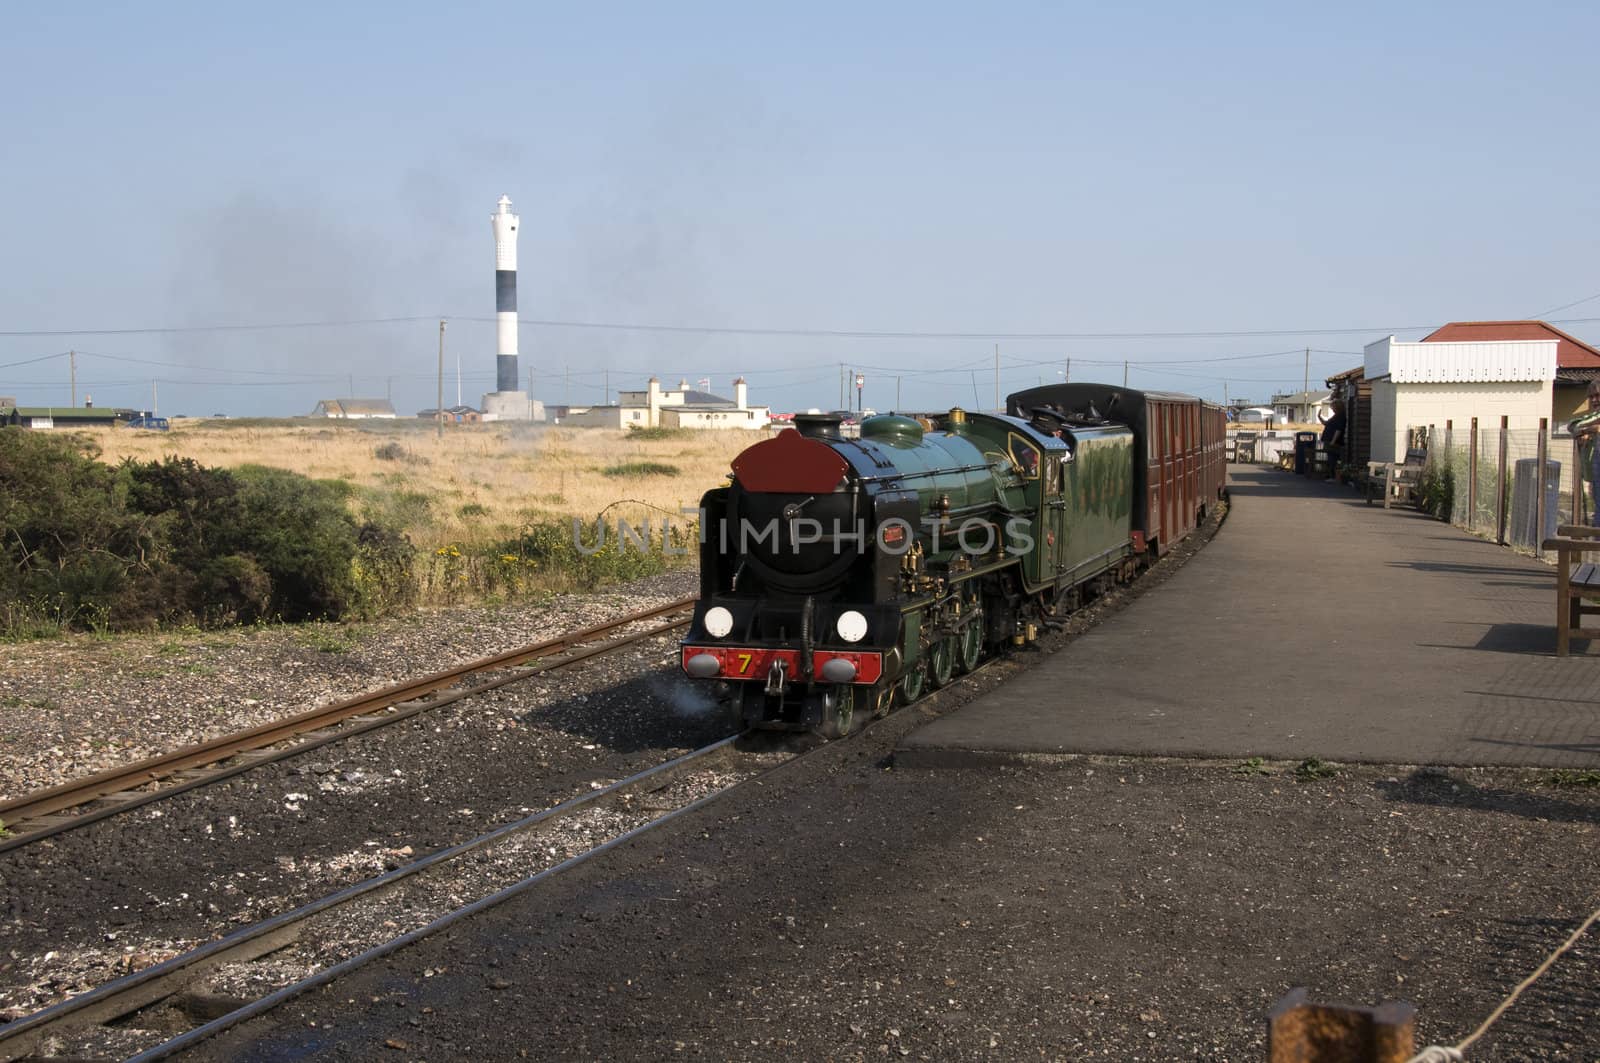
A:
(144, 420)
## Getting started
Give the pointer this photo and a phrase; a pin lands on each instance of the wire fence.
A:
(1489, 482)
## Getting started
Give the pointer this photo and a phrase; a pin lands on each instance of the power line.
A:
(716, 330)
(32, 361)
(1564, 306)
(202, 368)
(259, 327)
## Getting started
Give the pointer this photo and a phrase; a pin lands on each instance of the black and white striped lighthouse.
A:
(507, 402)
(505, 294)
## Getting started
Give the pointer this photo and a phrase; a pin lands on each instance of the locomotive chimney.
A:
(818, 425)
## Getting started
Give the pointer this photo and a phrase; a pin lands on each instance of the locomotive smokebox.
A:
(818, 425)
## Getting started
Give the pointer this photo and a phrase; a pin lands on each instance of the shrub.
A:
(640, 468)
(304, 540)
(658, 432)
(393, 451)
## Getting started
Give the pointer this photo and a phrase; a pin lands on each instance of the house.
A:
(453, 415)
(62, 416)
(1577, 362)
(1302, 407)
(355, 409)
(684, 407)
(1439, 380)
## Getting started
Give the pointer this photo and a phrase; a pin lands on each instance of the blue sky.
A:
(997, 168)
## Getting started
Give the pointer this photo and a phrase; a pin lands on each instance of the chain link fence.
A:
(1488, 481)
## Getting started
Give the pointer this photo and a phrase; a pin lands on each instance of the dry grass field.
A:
(476, 486)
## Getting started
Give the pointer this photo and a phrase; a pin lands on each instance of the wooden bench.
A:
(1397, 480)
(1576, 580)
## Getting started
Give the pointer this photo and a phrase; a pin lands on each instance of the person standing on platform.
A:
(1333, 437)
(1585, 428)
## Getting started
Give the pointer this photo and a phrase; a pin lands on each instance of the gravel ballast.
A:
(1083, 908)
(136, 888)
(75, 706)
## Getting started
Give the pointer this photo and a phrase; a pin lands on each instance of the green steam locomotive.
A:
(840, 575)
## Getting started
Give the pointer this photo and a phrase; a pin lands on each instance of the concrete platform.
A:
(1312, 626)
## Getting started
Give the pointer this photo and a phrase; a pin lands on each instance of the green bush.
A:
(658, 432)
(302, 536)
(640, 468)
(175, 542)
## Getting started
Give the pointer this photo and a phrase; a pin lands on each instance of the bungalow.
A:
(355, 409)
(684, 407)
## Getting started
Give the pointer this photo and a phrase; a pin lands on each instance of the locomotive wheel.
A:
(882, 698)
(969, 645)
(837, 722)
(941, 662)
(910, 685)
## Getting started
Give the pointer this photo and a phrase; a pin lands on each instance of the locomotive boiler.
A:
(840, 575)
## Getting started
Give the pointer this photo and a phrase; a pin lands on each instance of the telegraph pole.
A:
(896, 394)
(1306, 387)
(72, 360)
(1124, 372)
(154, 407)
(841, 385)
(1066, 377)
(438, 413)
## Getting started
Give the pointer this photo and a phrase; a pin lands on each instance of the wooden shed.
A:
(1356, 390)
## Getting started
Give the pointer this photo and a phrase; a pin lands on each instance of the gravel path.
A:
(72, 707)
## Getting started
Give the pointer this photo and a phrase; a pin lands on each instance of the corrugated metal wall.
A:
(1454, 363)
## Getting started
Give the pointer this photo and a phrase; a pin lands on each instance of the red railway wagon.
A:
(1184, 467)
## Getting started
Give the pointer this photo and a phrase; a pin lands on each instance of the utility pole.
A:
(458, 378)
(566, 383)
(997, 407)
(608, 387)
(896, 394)
(1124, 372)
(438, 412)
(388, 389)
(1066, 376)
(1305, 390)
(352, 391)
(841, 385)
(72, 360)
(155, 408)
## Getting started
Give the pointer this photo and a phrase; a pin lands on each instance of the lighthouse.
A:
(507, 402)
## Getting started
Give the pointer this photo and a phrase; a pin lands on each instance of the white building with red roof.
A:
(1520, 370)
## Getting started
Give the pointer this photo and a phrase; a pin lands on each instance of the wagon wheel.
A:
(836, 721)
(910, 685)
(941, 662)
(969, 645)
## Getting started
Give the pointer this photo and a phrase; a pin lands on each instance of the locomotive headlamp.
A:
(718, 622)
(852, 626)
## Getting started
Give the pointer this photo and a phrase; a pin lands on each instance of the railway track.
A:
(234, 978)
(220, 984)
(44, 813)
